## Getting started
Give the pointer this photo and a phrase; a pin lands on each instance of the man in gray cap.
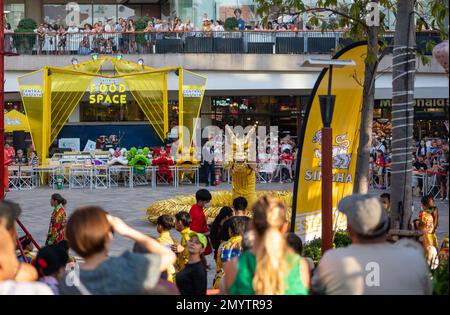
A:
(371, 265)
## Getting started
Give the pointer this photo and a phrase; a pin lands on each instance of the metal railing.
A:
(236, 42)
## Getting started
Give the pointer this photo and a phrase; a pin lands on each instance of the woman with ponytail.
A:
(57, 221)
(270, 267)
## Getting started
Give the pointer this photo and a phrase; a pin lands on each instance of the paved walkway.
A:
(130, 205)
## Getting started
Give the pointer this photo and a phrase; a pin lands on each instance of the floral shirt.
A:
(227, 251)
(57, 225)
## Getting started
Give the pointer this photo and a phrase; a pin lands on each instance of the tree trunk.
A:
(403, 73)
(365, 135)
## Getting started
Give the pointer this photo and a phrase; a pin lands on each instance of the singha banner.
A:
(347, 85)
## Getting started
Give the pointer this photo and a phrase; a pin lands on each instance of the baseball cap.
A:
(365, 214)
(9, 213)
(201, 237)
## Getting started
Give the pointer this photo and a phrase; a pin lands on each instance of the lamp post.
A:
(326, 111)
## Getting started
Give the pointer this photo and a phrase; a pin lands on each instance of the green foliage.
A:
(26, 25)
(440, 279)
(25, 42)
(140, 25)
(313, 249)
(231, 24)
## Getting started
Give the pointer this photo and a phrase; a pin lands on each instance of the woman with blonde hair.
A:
(270, 267)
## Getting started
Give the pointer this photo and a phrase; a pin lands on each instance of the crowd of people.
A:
(19, 158)
(254, 254)
(430, 156)
(120, 36)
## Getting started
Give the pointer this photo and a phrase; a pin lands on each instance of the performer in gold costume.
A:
(242, 165)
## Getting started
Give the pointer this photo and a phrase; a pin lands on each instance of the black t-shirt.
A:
(192, 280)
(420, 166)
(226, 226)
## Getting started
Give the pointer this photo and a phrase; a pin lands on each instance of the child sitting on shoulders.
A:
(164, 224)
(231, 248)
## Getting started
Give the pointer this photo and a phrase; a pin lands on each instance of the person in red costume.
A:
(198, 224)
(9, 154)
(163, 162)
(8, 161)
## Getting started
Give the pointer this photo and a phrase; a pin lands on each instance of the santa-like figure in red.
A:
(163, 162)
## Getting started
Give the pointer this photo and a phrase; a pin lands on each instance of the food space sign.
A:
(107, 92)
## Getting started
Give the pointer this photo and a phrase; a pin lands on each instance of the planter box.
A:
(289, 45)
(260, 48)
(199, 44)
(229, 45)
(321, 45)
(164, 46)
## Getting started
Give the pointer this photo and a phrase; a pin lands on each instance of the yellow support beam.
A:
(46, 119)
(180, 111)
(165, 105)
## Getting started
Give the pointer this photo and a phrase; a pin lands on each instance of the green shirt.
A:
(243, 284)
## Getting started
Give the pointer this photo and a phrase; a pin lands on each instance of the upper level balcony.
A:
(236, 42)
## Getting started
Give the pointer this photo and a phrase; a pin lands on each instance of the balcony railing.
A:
(239, 42)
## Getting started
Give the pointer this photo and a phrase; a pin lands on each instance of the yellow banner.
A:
(347, 85)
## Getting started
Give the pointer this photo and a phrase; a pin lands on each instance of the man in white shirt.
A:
(158, 25)
(380, 146)
(370, 265)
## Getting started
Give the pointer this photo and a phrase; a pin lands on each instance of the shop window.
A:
(102, 12)
(56, 14)
(16, 12)
(113, 112)
(129, 11)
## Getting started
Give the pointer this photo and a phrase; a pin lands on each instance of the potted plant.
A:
(231, 24)
(141, 39)
(23, 40)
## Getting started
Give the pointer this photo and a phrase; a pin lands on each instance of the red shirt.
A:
(380, 161)
(198, 223)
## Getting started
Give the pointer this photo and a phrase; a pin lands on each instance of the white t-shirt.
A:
(24, 288)
(381, 147)
(286, 146)
(375, 269)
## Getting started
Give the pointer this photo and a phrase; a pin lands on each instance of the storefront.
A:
(429, 117)
(285, 112)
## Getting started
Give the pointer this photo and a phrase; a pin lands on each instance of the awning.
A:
(16, 121)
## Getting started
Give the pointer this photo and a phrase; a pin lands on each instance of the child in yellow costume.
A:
(183, 220)
(163, 225)
(231, 248)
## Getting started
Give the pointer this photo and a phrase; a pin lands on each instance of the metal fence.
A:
(238, 42)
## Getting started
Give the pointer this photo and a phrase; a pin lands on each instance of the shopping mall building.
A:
(253, 78)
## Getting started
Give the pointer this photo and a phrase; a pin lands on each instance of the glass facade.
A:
(282, 111)
(92, 13)
(197, 10)
(113, 112)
